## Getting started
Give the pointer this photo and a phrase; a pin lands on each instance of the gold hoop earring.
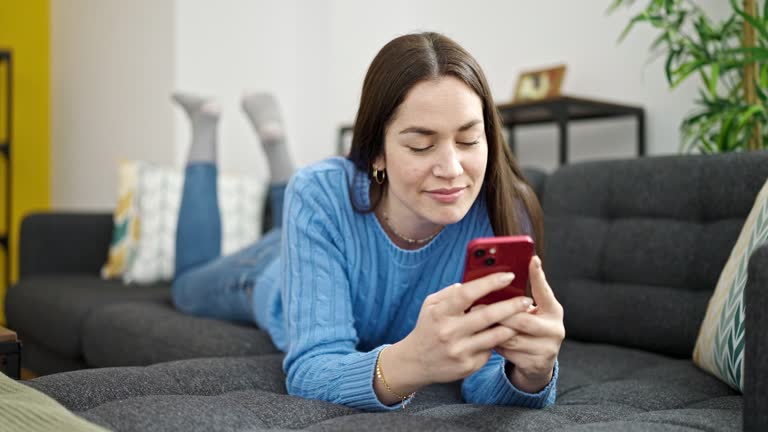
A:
(379, 180)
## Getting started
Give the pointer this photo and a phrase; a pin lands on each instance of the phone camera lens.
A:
(490, 261)
(480, 253)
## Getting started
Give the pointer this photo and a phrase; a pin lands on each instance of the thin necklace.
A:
(408, 239)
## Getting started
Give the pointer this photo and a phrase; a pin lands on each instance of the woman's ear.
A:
(380, 163)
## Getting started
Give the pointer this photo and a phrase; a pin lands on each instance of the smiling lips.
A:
(446, 195)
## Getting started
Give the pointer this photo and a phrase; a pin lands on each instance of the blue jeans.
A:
(205, 283)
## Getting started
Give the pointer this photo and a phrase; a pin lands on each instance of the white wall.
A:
(115, 62)
(505, 37)
(225, 48)
(316, 59)
(111, 69)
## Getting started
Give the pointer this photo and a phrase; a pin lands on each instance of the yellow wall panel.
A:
(24, 29)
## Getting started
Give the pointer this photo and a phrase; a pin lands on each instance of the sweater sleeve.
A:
(490, 386)
(321, 361)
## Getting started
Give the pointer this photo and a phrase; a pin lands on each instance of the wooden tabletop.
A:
(7, 335)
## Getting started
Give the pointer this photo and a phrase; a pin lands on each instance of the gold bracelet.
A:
(383, 381)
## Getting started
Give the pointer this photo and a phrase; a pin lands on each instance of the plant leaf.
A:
(765, 13)
(682, 72)
(668, 67)
(632, 22)
(756, 24)
(725, 130)
(615, 5)
(714, 79)
(748, 114)
(664, 37)
(753, 54)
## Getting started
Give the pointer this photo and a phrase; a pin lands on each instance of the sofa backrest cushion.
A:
(634, 248)
(56, 243)
(536, 178)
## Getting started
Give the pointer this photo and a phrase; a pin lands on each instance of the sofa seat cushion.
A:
(52, 309)
(144, 333)
(601, 388)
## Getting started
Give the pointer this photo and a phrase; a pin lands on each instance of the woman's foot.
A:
(264, 114)
(204, 115)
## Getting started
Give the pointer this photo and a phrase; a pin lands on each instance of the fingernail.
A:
(507, 278)
(538, 262)
(527, 302)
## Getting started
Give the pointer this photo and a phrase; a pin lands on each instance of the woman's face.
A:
(435, 155)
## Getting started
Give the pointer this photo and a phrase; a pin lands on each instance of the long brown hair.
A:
(408, 60)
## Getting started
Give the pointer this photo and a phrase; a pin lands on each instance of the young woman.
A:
(359, 284)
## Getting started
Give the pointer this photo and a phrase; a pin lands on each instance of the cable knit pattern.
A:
(348, 291)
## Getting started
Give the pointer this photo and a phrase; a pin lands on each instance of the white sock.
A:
(264, 114)
(203, 115)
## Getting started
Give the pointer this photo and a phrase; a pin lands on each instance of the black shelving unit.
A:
(561, 111)
(6, 60)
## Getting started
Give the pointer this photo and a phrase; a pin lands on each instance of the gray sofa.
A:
(633, 251)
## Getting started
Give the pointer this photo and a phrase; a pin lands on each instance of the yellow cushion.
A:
(126, 231)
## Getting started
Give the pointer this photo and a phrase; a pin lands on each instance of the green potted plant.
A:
(730, 57)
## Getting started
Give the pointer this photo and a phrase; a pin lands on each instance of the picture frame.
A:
(539, 84)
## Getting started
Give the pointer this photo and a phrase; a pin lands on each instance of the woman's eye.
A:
(477, 141)
(419, 149)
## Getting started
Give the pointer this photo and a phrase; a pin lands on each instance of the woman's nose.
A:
(448, 163)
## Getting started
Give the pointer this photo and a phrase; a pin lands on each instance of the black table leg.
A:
(10, 359)
(561, 116)
(341, 143)
(641, 133)
(511, 140)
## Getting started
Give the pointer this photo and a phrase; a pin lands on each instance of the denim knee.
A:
(182, 297)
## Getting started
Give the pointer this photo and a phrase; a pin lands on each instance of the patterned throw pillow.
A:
(720, 345)
(126, 231)
(149, 252)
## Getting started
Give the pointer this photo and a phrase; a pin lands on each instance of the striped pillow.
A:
(720, 346)
(143, 245)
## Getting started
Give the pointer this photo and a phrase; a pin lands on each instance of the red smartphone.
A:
(488, 255)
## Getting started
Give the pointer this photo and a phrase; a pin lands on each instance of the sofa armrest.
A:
(55, 243)
(756, 348)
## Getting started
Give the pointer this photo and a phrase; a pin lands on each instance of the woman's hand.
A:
(537, 335)
(448, 344)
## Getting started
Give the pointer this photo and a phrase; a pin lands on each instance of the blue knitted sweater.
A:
(344, 291)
